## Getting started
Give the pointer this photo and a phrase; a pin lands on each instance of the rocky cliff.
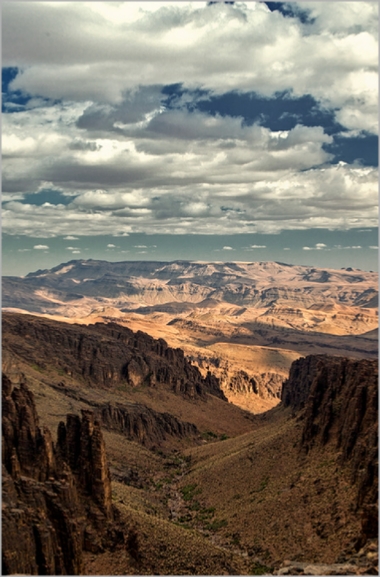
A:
(339, 401)
(144, 425)
(56, 499)
(105, 355)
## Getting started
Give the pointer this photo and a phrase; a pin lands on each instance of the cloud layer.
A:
(101, 133)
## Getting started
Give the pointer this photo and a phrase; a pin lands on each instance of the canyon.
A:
(162, 475)
(190, 418)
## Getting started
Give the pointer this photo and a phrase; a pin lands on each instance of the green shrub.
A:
(216, 524)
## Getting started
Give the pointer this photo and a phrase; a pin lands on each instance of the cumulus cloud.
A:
(228, 248)
(94, 62)
(111, 246)
(40, 246)
(126, 156)
(223, 201)
(257, 246)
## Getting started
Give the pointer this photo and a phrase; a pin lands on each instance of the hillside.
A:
(244, 322)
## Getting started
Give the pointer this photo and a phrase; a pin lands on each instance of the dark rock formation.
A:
(105, 355)
(144, 425)
(296, 388)
(56, 500)
(339, 398)
(135, 421)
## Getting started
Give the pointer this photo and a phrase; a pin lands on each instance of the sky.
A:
(205, 131)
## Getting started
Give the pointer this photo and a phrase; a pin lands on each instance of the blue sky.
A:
(196, 130)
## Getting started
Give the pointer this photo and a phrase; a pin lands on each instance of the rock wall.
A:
(56, 500)
(265, 385)
(144, 425)
(339, 401)
(105, 355)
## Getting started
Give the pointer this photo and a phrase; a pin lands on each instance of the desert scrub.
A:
(195, 506)
(216, 524)
(37, 368)
(262, 486)
(258, 569)
(208, 435)
(189, 492)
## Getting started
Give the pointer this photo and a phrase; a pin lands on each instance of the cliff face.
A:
(339, 397)
(144, 425)
(105, 355)
(56, 500)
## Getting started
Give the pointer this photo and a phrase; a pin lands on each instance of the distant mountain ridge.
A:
(145, 283)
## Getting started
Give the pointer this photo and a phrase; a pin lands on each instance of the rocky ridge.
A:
(156, 283)
(135, 421)
(105, 355)
(56, 498)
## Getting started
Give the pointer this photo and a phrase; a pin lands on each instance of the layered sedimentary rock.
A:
(105, 355)
(56, 500)
(339, 398)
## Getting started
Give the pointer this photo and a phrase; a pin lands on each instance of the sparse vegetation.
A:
(189, 492)
(209, 435)
(259, 569)
(216, 524)
(37, 368)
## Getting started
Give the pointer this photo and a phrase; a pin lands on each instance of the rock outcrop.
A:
(56, 499)
(144, 425)
(339, 401)
(265, 385)
(105, 355)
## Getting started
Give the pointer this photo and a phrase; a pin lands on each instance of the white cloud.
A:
(340, 247)
(317, 246)
(257, 246)
(111, 246)
(233, 201)
(374, 247)
(228, 248)
(82, 53)
(129, 165)
(40, 246)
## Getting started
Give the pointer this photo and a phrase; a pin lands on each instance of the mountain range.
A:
(244, 322)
